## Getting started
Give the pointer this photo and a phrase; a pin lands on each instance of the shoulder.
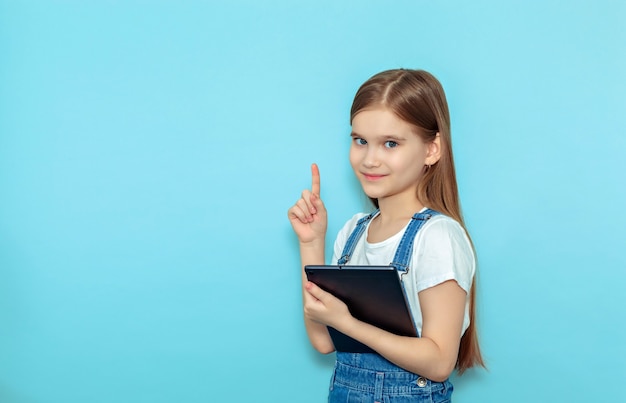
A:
(441, 227)
(355, 218)
(442, 234)
(349, 226)
(443, 251)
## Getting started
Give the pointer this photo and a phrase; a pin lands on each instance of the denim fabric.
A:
(403, 254)
(361, 378)
(405, 247)
(367, 377)
(354, 238)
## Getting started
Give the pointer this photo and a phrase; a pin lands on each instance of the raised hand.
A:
(308, 216)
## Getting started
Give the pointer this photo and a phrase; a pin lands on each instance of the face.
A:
(387, 155)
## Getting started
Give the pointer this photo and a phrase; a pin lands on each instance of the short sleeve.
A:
(443, 252)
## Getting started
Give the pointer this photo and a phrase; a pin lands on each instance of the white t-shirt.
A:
(441, 252)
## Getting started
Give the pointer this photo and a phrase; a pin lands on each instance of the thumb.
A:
(317, 202)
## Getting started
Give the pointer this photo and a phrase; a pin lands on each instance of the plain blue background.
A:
(149, 152)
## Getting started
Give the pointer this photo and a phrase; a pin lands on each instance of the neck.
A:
(398, 208)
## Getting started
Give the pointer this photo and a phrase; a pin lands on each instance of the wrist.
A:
(347, 325)
(313, 244)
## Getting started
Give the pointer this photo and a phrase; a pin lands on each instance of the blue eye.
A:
(391, 144)
(359, 141)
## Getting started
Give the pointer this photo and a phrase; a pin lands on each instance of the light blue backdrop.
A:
(149, 152)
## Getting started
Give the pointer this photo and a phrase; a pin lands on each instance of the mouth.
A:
(372, 177)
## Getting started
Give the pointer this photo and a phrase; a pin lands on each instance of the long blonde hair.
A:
(418, 98)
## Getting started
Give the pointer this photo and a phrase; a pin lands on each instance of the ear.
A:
(434, 151)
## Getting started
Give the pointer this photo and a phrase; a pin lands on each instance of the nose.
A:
(371, 159)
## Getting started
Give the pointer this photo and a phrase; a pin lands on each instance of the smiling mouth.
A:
(373, 177)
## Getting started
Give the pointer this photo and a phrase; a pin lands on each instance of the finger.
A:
(305, 208)
(308, 199)
(315, 291)
(317, 203)
(315, 181)
(297, 213)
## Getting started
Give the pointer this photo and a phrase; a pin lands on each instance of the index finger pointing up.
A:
(315, 182)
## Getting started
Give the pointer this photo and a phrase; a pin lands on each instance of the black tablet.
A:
(373, 294)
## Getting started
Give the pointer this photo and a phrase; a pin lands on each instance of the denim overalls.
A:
(368, 377)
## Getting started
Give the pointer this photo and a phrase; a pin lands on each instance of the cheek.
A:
(353, 157)
(420, 154)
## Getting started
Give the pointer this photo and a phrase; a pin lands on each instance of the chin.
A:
(373, 190)
(374, 195)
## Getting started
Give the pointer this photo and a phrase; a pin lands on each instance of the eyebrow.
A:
(385, 136)
(394, 137)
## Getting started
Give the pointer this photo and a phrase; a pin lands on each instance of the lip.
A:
(372, 177)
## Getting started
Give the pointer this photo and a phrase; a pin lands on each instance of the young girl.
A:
(402, 155)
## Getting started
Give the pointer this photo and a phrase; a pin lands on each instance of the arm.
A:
(309, 221)
(432, 355)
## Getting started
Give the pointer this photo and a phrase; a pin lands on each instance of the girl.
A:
(402, 155)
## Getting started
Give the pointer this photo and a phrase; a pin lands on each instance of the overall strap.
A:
(348, 249)
(403, 254)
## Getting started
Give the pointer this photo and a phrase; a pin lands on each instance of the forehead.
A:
(380, 121)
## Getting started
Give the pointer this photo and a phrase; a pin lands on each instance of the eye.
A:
(390, 144)
(359, 141)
